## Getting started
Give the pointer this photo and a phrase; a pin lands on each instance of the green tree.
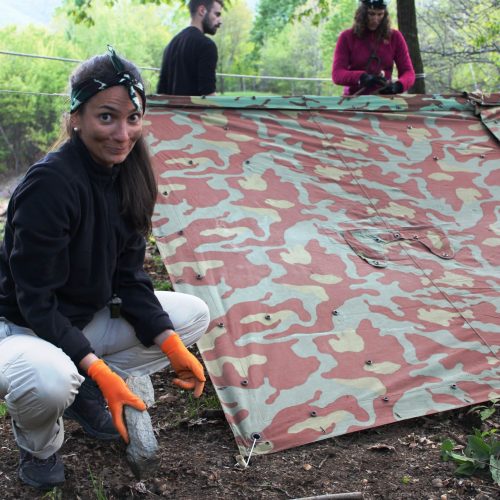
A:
(294, 52)
(81, 11)
(234, 46)
(339, 18)
(137, 32)
(29, 123)
(30, 116)
(460, 44)
(272, 17)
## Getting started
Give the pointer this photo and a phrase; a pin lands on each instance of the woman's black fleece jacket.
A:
(67, 250)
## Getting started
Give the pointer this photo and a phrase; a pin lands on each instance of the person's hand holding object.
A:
(392, 88)
(116, 393)
(190, 373)
(367, 80)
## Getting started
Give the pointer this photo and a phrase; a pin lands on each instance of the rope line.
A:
(5, 91)
(148, 68)
(251, 451)
(36, 56)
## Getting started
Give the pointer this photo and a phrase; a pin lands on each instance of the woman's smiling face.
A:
(109, 125)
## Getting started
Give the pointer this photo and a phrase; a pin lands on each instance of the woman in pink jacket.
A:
(365, 54)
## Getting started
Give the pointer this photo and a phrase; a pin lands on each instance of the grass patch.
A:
(53, 494)
(98, 487)
(3, 409)
(195, 406)
(158, 274)
(163, 285)
(155, 268)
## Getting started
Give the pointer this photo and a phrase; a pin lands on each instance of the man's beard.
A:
(207, 28)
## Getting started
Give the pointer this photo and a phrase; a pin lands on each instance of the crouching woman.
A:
(78, 313)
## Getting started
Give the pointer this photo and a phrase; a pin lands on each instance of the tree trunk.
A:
(407, 23)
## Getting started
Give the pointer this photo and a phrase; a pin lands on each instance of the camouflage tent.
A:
(348, 249)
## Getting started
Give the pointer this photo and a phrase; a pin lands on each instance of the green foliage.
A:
(295, 52)
(318, 10)
(459, 44)
(486, 411)
(296, 38)
(137, 32)
(29, 123)
(195, 406)
(82, 11)
(163, 285)
(3, 409)
(340, 18)
(406, 479)
(233, 43)
(53, 494)
(482, 450)
(274, 15)
(156, 268)
(77, 11)
(459, 38)
(98, 486)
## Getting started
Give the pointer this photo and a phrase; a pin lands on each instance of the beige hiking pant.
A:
(38, 381)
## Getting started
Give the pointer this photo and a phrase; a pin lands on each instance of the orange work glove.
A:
(116, 393)
(190, 374)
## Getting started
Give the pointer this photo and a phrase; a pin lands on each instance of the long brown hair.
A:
(136, 181)
(360, 25)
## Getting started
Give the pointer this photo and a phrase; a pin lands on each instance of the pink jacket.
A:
(352, 54)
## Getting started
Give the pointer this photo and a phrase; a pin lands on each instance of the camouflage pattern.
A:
(348, 249)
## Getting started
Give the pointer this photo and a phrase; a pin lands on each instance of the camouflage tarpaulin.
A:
(348, 249)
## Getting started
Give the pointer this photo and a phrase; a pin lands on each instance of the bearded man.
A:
(190, 59)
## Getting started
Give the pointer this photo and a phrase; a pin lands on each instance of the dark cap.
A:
(376, 4)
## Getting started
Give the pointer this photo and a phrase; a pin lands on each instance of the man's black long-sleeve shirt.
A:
(189, 64)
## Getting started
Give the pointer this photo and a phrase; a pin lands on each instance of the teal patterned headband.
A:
(88, 88)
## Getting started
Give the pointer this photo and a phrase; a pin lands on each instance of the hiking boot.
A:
(90, 411)
(41, 473)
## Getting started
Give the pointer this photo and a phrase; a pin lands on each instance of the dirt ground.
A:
(197, 458)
